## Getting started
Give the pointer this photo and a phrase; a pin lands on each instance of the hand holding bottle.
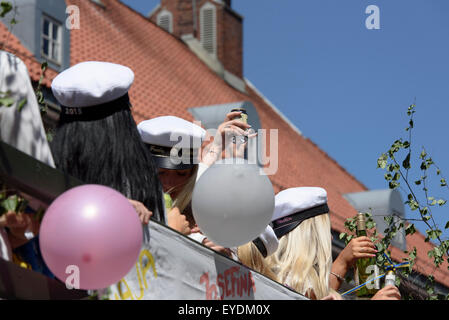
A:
(232, 126)
(228, 129)
(357, 248)
(387, 293)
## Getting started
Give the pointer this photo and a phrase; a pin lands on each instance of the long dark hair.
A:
(109, 151)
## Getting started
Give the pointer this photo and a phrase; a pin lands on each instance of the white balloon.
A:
(233, 203)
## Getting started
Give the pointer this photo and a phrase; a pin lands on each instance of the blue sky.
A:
(347, 88)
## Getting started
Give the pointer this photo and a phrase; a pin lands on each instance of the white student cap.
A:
(90, 88)
(294, 205)
(267, 243)
(173, 142)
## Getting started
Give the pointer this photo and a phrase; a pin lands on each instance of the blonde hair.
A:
(250, 256)
(185, 195)
(303, 260)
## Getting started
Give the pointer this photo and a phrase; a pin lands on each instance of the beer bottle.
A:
(390, 278)
(366, 267)
(244, 118)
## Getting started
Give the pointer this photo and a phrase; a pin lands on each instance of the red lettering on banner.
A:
(210, 289)
(230, 283)
(221, 285)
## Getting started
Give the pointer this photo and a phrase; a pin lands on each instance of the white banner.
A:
(174, 267)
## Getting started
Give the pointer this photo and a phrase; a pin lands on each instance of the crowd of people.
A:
(98, 141)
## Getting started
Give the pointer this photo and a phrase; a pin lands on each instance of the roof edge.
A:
(272, 106)
(153, 11)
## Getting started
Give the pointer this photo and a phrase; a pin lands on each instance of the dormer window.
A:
(165, 20)
(51, 40)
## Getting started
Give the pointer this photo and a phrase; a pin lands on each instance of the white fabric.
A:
(198, 237)
(171, 267)
(294, 200)
(168, 131)
(92, 83)
(21, 129)
(270, 240)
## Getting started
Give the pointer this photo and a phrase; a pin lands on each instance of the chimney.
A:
(211, 28)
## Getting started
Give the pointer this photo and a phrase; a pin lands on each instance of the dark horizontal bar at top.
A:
(31, 176)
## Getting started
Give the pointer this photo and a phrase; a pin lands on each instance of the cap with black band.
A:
(294, 205)
(94, 112)
(267, 243)
(92, 90)
(173, 142)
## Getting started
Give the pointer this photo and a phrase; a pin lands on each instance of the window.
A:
(165, 20)
(208, 29)
(51, 40)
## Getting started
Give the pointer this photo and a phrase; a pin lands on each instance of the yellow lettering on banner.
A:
(149, 264)
(141, 273)
(140, 281)
(127, 294)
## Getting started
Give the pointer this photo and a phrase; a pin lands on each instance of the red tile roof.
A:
(169, 79)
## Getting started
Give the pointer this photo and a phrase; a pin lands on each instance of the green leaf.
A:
(393, 184)
(406, 144)
(410, 229)
(433, 234)
(44, 66)
(411, 123)
(370, 224)
(6, 7)
(418, 182)
(397, 176)
(382, 161)
(441, 202)
(40, 97)
(11, 203)
(447, 225)
(388, 219)
(6, 101)
(380, 246)
(443, 182)
(406, 162)
(413, 205)
(21, 104)
(348, 239)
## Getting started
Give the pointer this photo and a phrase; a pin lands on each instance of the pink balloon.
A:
(95, 229)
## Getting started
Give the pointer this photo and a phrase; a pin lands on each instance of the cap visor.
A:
(166, 163)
